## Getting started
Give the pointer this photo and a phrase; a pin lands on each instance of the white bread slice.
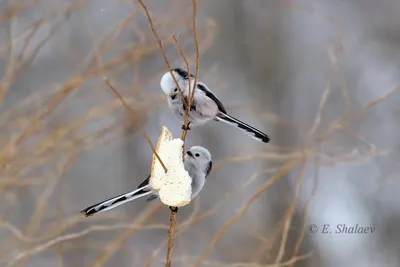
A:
(175, 186)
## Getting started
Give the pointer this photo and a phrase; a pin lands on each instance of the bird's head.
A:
(168, 85)
(200, 157)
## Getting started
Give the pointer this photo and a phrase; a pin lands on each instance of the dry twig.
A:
(137, 122)
(186, 118)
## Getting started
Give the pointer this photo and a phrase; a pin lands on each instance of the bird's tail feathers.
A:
(251, 131)
(116, 201)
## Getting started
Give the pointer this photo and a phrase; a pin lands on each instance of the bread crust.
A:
(165, 136)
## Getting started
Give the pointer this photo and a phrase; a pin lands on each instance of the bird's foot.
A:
(173, 209)
(185, 128)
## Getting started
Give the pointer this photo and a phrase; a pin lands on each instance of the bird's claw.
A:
(185, 128)
(173, 209)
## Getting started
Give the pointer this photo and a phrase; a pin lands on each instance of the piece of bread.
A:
(175, 186)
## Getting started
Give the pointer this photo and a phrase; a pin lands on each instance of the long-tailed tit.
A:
(205, 105)
(198, 164)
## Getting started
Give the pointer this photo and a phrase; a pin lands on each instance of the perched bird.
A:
(205, 106)
(197, 163)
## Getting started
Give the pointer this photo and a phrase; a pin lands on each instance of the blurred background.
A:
(320, 77)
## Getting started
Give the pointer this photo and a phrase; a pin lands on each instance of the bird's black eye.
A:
(197, 155)
(176, 90)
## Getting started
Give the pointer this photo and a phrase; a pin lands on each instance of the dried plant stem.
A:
(196, 45)
(308, 204)
(192, 90)
(186, 118)
(286, 168)
(186, 122)
(171, 232)
(289, 214)
(187, 104)
(117, 243)
(53, 102)
(172, 214)
(161, 47)
(136, 119)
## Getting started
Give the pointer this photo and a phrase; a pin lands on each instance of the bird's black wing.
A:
(212, 96)
(145, 182)
(201, 87)
(208, 168)
(183, 73)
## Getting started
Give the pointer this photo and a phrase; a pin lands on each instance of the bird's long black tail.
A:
(116, 201)
(253, 132)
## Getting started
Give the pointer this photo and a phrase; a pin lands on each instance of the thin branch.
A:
(162, 51)
(192, 90)
(54, 101)
(72, 236)
(136, 119)
(290, 212)
(281, 172)
(182, 54)
(306, 209)
(186, 123)
(171, 233)
(192, 219)
(318, 118)
(117, 243)
(374, 102)
(186, 117)
(243, 264)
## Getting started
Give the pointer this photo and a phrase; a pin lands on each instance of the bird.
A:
(197, 162)
(205, 106)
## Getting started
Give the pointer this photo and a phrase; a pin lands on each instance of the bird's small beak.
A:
(173, 96)
(189, 154)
